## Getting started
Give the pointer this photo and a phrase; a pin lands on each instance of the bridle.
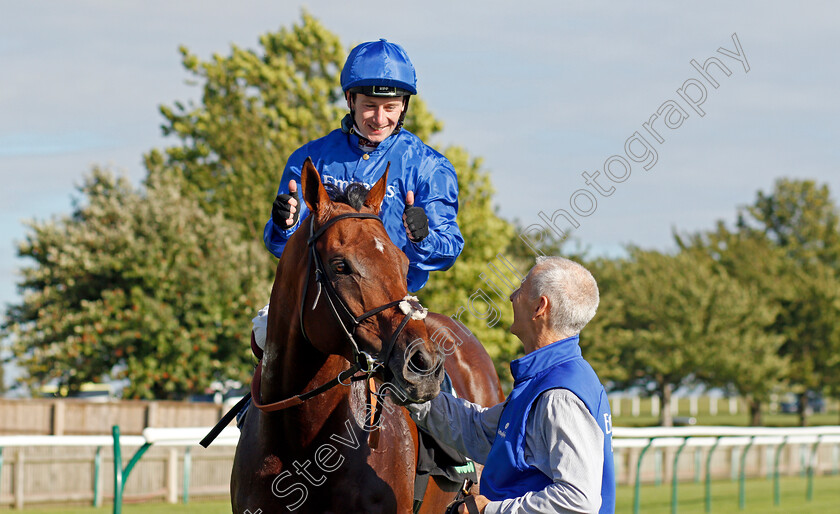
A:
(365, 362)
(363, 365)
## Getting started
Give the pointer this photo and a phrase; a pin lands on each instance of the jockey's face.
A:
(376, 117)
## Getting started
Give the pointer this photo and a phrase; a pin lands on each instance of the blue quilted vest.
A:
(558, 365)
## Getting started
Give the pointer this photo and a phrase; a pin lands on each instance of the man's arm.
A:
(437, 195)
(275, 237)
(564, 441)
(467, 427)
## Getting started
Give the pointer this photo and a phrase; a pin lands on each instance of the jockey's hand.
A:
(480, 502)
(285, 211)
(415, 220)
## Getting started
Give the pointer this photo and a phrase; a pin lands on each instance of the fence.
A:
(740, 440)
(42, 469)
(81, 417)
(624, 405)
(90, 470)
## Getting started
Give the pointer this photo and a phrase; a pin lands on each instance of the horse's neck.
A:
(291, 366)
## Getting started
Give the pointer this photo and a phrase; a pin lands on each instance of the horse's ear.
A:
(314, 194)
(377, 192)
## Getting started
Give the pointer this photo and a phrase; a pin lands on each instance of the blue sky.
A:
(542, 91)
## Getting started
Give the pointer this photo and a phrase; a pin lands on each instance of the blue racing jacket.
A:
(414, 167)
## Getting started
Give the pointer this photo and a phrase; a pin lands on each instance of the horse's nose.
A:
(420, 363)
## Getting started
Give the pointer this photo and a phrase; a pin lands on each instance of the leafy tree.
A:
(757, 367)
(460, 291)
(675, 320)
(135, 285)
(800, 219)
(256, 109)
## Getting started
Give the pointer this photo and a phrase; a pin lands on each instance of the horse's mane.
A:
(353, 194)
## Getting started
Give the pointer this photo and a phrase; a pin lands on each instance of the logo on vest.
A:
(501, 432)
(607, 423)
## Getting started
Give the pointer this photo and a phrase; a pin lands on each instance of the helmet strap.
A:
(402, 116)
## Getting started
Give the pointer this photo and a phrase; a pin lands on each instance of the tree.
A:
(136, 285)
(799, 217)
(674, 320)
(256, 109)
(801, 220)
(757, 368)
(460, 291)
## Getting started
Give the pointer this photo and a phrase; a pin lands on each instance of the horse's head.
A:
(361, 271)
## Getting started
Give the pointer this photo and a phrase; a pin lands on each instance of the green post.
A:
(674, 477)
(742, 497)
(776, 495)
(657, 467)
(97, 465)
(709, 475)
(187, 467)
(121, 475)
(810, 494)
(637, 493)
(118, 478)
(698, 464)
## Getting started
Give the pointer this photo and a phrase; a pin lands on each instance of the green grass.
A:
(758, 494)
(654, 499)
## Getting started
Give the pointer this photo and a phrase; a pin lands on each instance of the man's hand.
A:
(480, 502)
(414, 219)
(285, 212)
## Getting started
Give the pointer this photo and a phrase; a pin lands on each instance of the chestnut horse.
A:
(340, 309)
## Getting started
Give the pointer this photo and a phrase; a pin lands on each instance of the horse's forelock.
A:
(354, 194)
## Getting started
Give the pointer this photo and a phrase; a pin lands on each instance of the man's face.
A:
(376, 117)
(523, 309)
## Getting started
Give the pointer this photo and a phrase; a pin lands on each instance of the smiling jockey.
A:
(421, 204)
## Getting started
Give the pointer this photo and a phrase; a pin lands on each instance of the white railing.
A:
(712, 437)
(172, 437)
(635, 442)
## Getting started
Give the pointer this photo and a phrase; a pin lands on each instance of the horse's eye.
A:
(340, 267)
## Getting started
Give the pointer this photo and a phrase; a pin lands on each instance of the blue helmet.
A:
(379, 68)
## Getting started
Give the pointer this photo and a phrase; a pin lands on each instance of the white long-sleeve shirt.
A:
(562, 440)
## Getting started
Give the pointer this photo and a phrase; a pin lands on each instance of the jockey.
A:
(421, 203)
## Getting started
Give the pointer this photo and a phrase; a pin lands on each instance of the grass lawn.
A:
(759, 497)
(654, 499)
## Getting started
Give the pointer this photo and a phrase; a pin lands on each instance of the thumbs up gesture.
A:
(285, 210)
(415, 220)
